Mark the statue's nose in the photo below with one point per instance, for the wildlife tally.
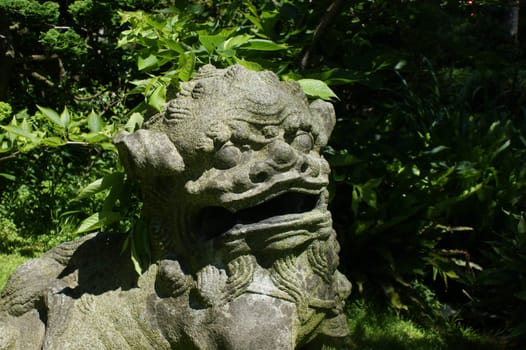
(282, 154)
(280, 157)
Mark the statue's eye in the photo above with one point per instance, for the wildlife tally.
(303, 141)
(227, 157)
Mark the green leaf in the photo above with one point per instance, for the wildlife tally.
(262, 45)
(186, 66)
(158, 97)
(95, 122)
(65, 118)
(136, 261)
(255, 21)
(93, 137)
(52, 115)
(368, 192)
(97, 221)
(5, 146)
(394, 297)
(20, 132)
(94, 187)
(248, 64)
(173, 45)
(147, 62)
(401, 64)
(140, 246)
(115, 193)
(8, 176)
(236, 41)
(317, 89)
(437, 149)
(26, 126)
(211, 42)
(134, 123)
(100, 185)
(502, 147)
(108, 146)
(356, 198)
(53, 141)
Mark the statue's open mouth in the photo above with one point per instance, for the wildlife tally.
(291, 214)
(217, 221)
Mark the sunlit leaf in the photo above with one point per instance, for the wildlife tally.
(173, 45)
(97, 221)
(262, 45)
(317, 89)
(135, 122)
(356, 197)
(52, 115)
(255, 21)
(53, 141)
(186, 66)
(158, 97)
(20, 132)
(93, 137)
(236, 41)
(24, 125)
(65, 118)
(211, 42)
(248, 64)
(437, 149)
(147, 62)
(140, 246)
(401, 64)
(100, 185)
(95, 122)
(502, 147)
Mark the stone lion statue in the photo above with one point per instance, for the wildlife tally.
(235, 203)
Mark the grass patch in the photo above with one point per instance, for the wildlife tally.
(373, 328)
(8, 263)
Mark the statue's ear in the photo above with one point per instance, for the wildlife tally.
(147, 153)
(324, 113)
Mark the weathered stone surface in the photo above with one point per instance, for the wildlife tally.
(235, 202)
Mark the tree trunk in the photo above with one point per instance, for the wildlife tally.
(513, 19)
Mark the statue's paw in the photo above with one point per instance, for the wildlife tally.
(171, 280)
(211, 283)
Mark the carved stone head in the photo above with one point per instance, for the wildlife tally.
(233, 164)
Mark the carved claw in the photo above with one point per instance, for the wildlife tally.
(211, 283)
(171, 280)
(241, 273)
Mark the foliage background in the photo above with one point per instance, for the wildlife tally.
(428, 179)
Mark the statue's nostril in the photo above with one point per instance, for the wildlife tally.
(304, 167)
(260, 172)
